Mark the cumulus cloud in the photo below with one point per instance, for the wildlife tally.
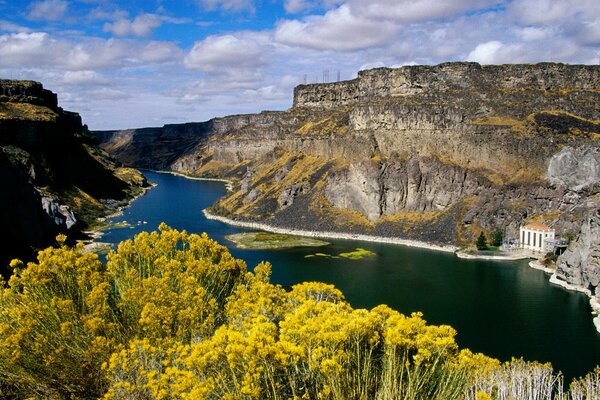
(142, 25)
(159, 52)
(417, 10)
(294, 6)
(7, 26)
(49, 10)
(85, 77)
(495, 52)
(26, 50)
(338, 29)
(546, 12)
(229, 5)
(223, 54)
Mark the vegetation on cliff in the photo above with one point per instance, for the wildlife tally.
(429, 153)
(173, 315)
(60, 181)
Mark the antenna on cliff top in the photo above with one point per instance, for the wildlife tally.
(304, 78)
(325, 76)
(338, 75)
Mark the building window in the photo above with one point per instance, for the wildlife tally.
(534, 235)
(523, 237)
(528, 238)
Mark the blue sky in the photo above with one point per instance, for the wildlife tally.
(124, 64)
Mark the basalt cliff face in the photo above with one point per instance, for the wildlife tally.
(53, 176)
(432, 153)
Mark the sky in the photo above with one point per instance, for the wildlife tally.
(134, 63)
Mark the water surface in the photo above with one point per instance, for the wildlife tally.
(502, 309)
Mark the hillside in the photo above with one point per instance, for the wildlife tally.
(431, 153)
(53, 176)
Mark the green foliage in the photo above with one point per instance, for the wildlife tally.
(497, 238)
(175, 316)
(481, 242)
(570, 236)
(549, 259)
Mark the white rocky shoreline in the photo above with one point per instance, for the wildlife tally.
(594, 301)
(330, 235)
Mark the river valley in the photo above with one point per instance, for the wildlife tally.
(503, 309)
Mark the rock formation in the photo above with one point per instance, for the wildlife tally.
(580, 264)
(433, 153)
(53, 176)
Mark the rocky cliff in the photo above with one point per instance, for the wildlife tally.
(54, 178)
(433, 153)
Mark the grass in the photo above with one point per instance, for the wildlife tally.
(25, 111)
(271, 241)
(358, 254)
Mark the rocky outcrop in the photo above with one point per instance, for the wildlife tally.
(575, 168)
(53, 177)
(431, 153)
(580, 263)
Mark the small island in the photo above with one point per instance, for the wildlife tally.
(271, 241)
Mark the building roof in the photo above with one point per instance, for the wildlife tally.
(536, 226)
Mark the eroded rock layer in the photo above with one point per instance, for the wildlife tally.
(434, 153)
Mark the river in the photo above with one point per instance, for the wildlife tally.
(502, 309)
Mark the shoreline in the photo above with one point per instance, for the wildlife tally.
(95, 234)
(513, 257)
(329, 235)
(594, 301)
(228, 182)
(535, 264)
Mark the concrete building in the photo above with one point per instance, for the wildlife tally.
(535, 236)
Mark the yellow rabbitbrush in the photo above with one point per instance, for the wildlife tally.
(174, 316)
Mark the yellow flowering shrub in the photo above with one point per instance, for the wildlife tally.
(173, 315)
(56, 324)
(171, 284)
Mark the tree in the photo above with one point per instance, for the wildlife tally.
(497, 238)
(481, 242)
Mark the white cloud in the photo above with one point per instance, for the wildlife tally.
(105, 93)
(229, 5)
(417, 10)
(159, 52)
(29, 50)
(50, 10)
(546, 12)
(496, 52)
(531, 33)
(7, 26)
(338, 29)
(102, 14)
(297, 6)
(590, 33)
(85, 77)
(142, 25)
(222, 54)
(294, 6)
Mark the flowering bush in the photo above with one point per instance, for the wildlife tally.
(173, 315)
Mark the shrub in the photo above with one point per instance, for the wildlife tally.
(175, 316)
(481, 242)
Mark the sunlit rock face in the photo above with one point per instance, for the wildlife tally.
(436, 153)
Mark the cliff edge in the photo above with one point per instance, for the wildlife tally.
(53, 176)
(430, 153)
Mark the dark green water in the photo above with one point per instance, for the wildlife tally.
(502, 309)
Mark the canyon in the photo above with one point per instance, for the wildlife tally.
(429, 153)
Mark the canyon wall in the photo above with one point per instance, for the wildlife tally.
(54, 179)
(434, 153)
